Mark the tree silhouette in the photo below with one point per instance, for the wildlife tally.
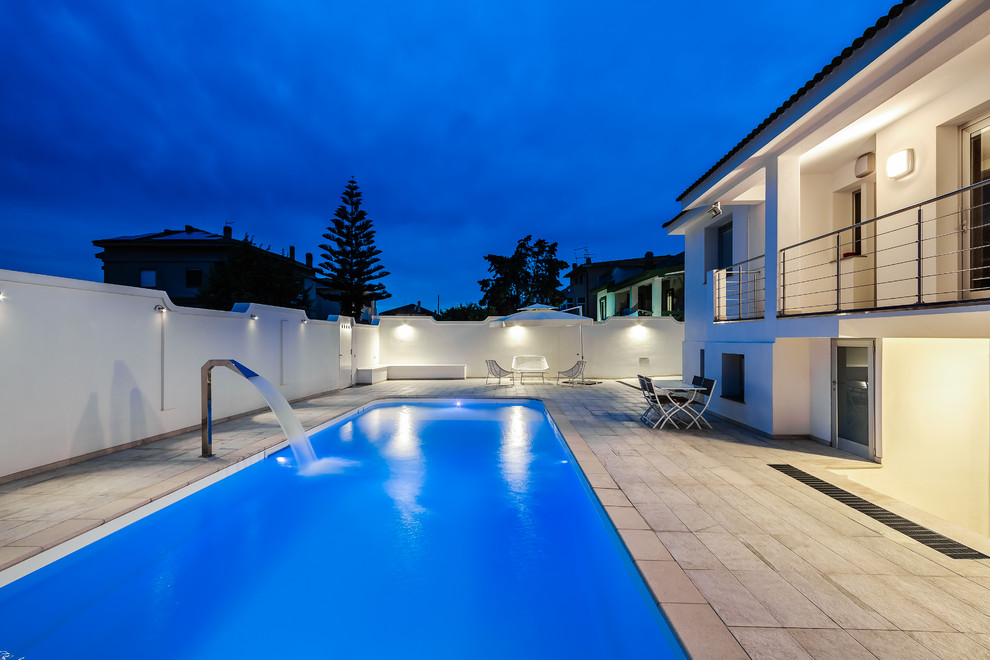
(531, 275)
(351, 256)
(252, 274)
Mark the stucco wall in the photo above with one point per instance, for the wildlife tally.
(88, 366)
(614, 348)
(936, 430)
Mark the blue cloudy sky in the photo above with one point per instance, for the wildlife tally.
(466, 124)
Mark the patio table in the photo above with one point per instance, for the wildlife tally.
(666, 389)
(530, 364)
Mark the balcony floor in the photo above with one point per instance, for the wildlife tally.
(743, 560)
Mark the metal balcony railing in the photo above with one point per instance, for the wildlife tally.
(936, 252)
(740, 291)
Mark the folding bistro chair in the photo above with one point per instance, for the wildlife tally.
(656, 407)
(696, 407)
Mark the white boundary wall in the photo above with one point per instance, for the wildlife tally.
(86, 367)
(619, 347)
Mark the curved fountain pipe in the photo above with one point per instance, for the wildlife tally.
(283, 411)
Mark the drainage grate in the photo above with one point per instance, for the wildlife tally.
(933, 540)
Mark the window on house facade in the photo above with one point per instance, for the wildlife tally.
(856, 245)
(149, 278)
(723, 257)
(601, 309)
(733, 381)
(976, 167)
(645, 298)
(194, 277)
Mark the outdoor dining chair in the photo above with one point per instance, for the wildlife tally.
(657, 407)
(575, 372)
(495, 371)
(696, 406)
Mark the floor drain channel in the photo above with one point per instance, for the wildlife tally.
(933, 540)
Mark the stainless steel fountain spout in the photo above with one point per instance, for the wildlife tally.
(206, 380)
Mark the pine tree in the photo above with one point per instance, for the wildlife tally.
(351, 256)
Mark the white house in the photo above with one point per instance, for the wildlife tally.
(838, 261)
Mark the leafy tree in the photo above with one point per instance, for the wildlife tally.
(530, 275)
(252, 274)
(351, 256)
(469, 312)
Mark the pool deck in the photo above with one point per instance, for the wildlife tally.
(744, 561)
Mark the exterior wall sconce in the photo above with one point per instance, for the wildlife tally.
(900, 164)
(715, 210)
(254, 317)
(865, 165)
(1, 296)
(160, 309)
(304, 321)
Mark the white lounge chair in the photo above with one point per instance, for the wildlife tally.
(575, 372)
(495, 371)
(531, 365)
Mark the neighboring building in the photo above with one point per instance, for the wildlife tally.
(838, 261)
(654, 292)
(587, 279)
(178, 261)
(412, 309)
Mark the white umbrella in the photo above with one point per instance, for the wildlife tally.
(538, 315)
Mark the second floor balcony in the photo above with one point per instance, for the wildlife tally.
(934, 253)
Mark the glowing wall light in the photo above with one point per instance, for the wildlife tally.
(405, 332)
(638, 332)
(254, 317)
(900, 164)
(160, 309)
(517, 332)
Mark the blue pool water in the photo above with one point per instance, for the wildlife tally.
(462, 531)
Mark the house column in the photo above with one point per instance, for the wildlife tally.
(783, 208)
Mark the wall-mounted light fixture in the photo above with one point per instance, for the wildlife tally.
(1, 296)
(254, 317)
(865, 165)
(900, 164)
(160, 308)
(715, 210)
(304, 321)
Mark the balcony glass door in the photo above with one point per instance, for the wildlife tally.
(852, 397)
(976, 166)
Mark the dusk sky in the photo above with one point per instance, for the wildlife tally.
(467, 125)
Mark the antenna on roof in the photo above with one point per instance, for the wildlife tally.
(582, 252)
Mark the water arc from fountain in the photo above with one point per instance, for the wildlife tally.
(302, 449)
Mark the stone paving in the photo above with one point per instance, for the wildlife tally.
(743, 560)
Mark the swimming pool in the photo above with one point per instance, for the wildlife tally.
(461, 530)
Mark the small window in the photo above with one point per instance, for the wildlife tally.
(601, 309)
(701, 363)
(857, 232)
(194, 277)
(645, 298)
(149, 278)
(724, 258)
(733, 382)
